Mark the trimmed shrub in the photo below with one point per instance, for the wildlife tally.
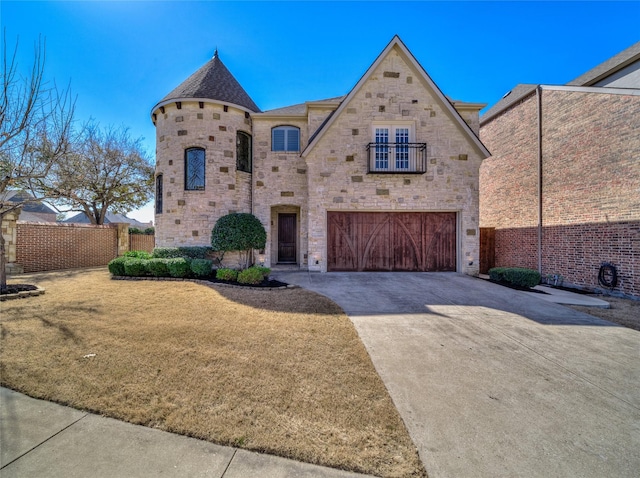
(240, 232)
(226, 274)
(201, 267)
(116, 266)
(179, 267)
(193, 252)
(150, 231)
(515, 275)
(135, 267)
(264, 270)
(137, 254)
(135, 230)
(158, 267)
(252, 275)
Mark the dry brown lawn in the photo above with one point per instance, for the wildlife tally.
(281, 371)
(622, 311)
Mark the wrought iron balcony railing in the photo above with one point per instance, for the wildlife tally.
(397, 158)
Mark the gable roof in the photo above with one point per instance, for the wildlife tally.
(30, 204)
(212, 81)
(518, 93)
(608, 67)
(110, 218)
(396, 42)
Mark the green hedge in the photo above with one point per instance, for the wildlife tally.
(137, 254)
(252, 275)
(116, 266)
(201, 267)
(515, 275)
(226, 274)
(135, 267)
(158, 267)
(179, 267)
(193, 252)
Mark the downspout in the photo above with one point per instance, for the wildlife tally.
(539, 101)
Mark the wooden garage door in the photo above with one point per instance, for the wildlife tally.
(398, 241)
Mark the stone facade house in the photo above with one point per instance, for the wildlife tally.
(562, 187)
(384, 178)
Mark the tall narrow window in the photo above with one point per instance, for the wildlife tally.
(194, 163)
(159, 194)
(402, 148)
(285, 138)
(243, 152)
(382, 148)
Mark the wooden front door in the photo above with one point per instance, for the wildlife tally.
(398, 241)
(287, 238)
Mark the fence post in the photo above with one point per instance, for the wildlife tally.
(123, 237)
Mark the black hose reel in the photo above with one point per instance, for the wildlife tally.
(608, 275)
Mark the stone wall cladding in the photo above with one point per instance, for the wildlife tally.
(591, 179)
(51, 246)
(279, 184)
(189, 216)
(448, 185)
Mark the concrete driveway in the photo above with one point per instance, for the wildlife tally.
(493, 382)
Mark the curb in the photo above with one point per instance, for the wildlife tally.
(23, 294)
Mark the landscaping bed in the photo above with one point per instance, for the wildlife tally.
(281, 371)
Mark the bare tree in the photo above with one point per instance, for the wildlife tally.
(35, 131)
(108, 171)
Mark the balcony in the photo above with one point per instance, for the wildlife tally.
(397, 158)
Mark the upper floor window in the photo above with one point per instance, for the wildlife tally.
(243, 152)
(194, 164)
(393, 149)
(285, 138)
(159, 194)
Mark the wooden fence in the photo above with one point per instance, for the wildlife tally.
(142, 242)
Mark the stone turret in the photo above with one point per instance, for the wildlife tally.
(203, 155)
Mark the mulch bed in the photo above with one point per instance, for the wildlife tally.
(15, 288)
(518, 287)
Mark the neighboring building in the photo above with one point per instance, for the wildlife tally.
(384, 178)
(110, 218)
(562, 188)
(35, 211)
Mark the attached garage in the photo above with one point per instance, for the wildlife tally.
(391, 241)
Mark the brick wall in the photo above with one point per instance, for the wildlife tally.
(590, 184)
(49, 246)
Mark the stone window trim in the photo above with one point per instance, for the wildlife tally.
(194, 168)
(285, 138)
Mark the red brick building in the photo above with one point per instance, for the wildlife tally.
(562, 187)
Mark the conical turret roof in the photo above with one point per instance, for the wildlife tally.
(215, 82)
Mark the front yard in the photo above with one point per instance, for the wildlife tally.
(276, 371)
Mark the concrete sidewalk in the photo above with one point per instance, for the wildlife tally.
(43, 439)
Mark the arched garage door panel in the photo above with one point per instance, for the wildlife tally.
(391, 241)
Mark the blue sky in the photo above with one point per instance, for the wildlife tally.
(122, 57)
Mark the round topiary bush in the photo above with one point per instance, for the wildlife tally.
(201, 267)
(240, 232)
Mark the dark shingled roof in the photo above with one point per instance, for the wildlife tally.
(608, 67)
(213, 81)
(513, 96)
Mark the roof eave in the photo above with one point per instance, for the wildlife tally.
(168, 101)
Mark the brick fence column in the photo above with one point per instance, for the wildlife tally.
(123, 237)
(10, 234)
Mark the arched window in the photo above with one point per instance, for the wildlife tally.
(194, 163)
(159, 194)
(285, 138)
(243, 152)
